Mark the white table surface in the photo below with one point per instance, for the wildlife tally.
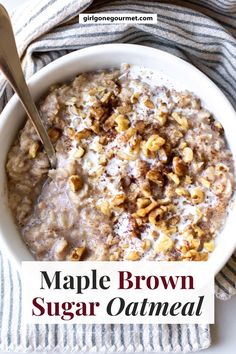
(224, 330)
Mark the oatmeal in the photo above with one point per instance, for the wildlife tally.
(143, 172)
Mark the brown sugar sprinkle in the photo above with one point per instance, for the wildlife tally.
(144, 173)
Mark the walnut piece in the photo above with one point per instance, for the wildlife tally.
(143, 202)
(173, 177)
(197, 196)
(187, 154)
(54, 134)
(75, 182)
(122, 123)
(33, 150)
(155, 216)
(155, 142)
(181, 120)
(209, 246)
(149, 104)
(144, 211)
(155, 176)
(133, 256)
(79, 152)
(179, 167)
(166, 244)
(118, 199)
(104, 207)
(76, 254)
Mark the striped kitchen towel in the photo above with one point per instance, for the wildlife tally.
(202, 32)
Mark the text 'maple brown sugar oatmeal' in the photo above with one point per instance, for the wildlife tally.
(144, 172)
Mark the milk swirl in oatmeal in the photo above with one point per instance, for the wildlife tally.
(144, 172)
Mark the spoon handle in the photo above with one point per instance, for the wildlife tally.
(11, 67)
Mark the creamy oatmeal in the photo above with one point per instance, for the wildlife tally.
(144, 172)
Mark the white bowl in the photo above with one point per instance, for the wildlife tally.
(101, 57)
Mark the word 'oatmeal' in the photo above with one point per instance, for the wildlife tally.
(144, 172)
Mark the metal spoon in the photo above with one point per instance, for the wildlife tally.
(11, 67)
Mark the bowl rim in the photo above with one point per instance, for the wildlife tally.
(103, 49)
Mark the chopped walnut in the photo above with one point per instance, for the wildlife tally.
(179, 167)
(156, 215)
(173, 177)
(140, 126)
(95, 127)
(145, 188)
(209, 246)
(124, 156)
(118, 199)
(146, 152)
(105, 98)
(75, 182)
(181, 120)
(33, 150)
(128, 134)
(218, 127)
(97, 111)
(104, 207)
(79, 152)
(133, 256)
(205, 182)
(146, 244)
(76, 254)
(103, 160)
(182, 192)
(198, 231)
(135, 97)
(122, 123)
(149, 104)
(187, 154)
(54, 134)
(144, 211)
(109, 122)
(166, 244)
(115, 255)
(143, 202)
(197, 196)
(161, 115)
(155, 176)
(188, 180)
(83, 134)
(70, 132)
(155, 142)
(162, 155)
